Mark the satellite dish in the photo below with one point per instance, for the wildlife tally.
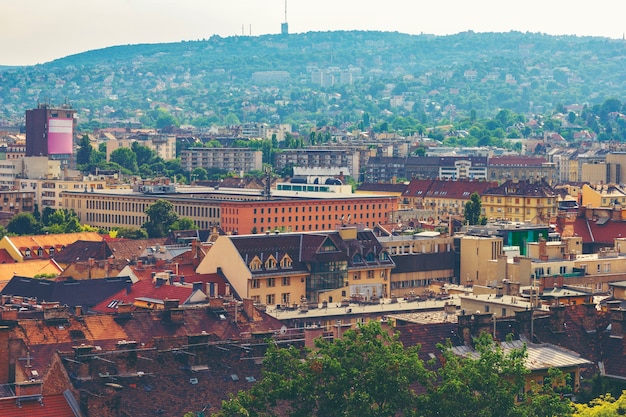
(283, 329)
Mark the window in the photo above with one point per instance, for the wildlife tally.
(607, 267)
(286, 262)
(256, 299)
(270, 263)
(255, 264)
(370, 274)
(256, 283)
(286, 281)
(271, 282)
(562, 270)
(284, 298)
(270, 299)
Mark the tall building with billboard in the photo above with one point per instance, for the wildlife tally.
(50, 132)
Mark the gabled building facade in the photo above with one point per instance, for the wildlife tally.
(520, 201)
(295, 269)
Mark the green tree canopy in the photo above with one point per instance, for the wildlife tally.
(365, 373)
(184, 223)
(126, 158)
(83, 154)
(161, 217)
(473, 209)
(24, 224)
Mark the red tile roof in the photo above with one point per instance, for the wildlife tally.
(591, 231)
(144, 289)
(5, 258)
(51, 406)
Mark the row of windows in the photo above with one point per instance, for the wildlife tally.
(270, 263)
(317, 208)
(127, 206)
(271, 282)
(541, 271)
(520, 200)
(317, 218)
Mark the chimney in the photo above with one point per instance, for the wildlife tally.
(107, 266)
(31, 389)
(589, 317)
(617, 213)
(557, 318)
(618, 323)
(482, 323)
(339, 329)
(170, 304)
(81, 351)
(465, 328)
(523, 318)
(543, 249)
(216, 303)
(310, 334)
(159, 282)
(78, 311)
(129, 286)
(248, 308)
(4, 355)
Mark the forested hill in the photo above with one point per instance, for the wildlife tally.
(369, 71)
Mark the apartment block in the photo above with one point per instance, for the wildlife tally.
(237, 160)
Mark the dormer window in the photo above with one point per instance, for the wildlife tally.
(286, 262)
(51, 251)
(255, 264)
(370, 257)
(357, 258)
(40, 252)
(271, 263)
(27, 253)
(384, 256)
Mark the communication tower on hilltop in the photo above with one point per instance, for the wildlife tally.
(284, 27)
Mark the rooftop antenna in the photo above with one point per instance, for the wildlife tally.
(284, 27)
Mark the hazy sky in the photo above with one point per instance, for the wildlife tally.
(38, 31)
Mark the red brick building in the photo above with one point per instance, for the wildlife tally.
(304, 215)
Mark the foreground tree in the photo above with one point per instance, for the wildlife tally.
(604, 406)
(488, 385)
(365, 373)
(368, 373)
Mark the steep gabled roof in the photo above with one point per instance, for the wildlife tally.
(132, 249)
(85, 293)
(82, 250)
(263, 246)
(522, 189)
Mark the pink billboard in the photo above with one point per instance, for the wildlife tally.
(60, 134)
